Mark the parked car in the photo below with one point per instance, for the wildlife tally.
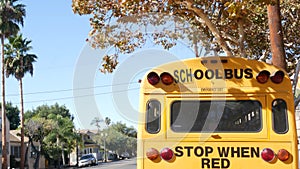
(112, 156)
(87, 160)
(124, 155)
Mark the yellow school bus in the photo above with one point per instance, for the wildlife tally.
(216, 112)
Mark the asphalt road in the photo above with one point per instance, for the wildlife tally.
(123, 164)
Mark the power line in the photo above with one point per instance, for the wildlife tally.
(81, 96)
(66, 90)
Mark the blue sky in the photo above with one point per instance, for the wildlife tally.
(58, 37)
(67, 69)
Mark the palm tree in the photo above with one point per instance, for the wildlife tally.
(96, 121)
(107, 121)
(17, 63)
(11, 15)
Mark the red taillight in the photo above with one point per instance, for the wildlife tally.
(152, 154)
(283, 155)
(267, 154)
(153, 78)
(166, 78)
(263, 76)
(166, 154)
(277, 77)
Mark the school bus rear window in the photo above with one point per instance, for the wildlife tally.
(153, 116)
(279, 114)
(216, 116)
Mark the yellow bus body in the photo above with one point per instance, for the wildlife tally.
(224, 79)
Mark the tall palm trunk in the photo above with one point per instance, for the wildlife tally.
(4, 145)
(22, 112)
(22, 125)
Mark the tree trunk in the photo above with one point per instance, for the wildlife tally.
(196, 50)
(63, 155)
(37, 160)
(276, 37)
(26, 155)
(295, 82)
(22, 162)
(38, 153)
(57, 144)
(4, 144)
(242, 38)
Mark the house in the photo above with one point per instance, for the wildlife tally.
(89, 146)
(15, 151)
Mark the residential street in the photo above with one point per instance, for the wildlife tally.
(124, 164)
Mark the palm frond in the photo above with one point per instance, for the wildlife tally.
(18, 61)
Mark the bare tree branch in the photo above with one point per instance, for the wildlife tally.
(210, 25)
(297, 100)
(241, 38)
